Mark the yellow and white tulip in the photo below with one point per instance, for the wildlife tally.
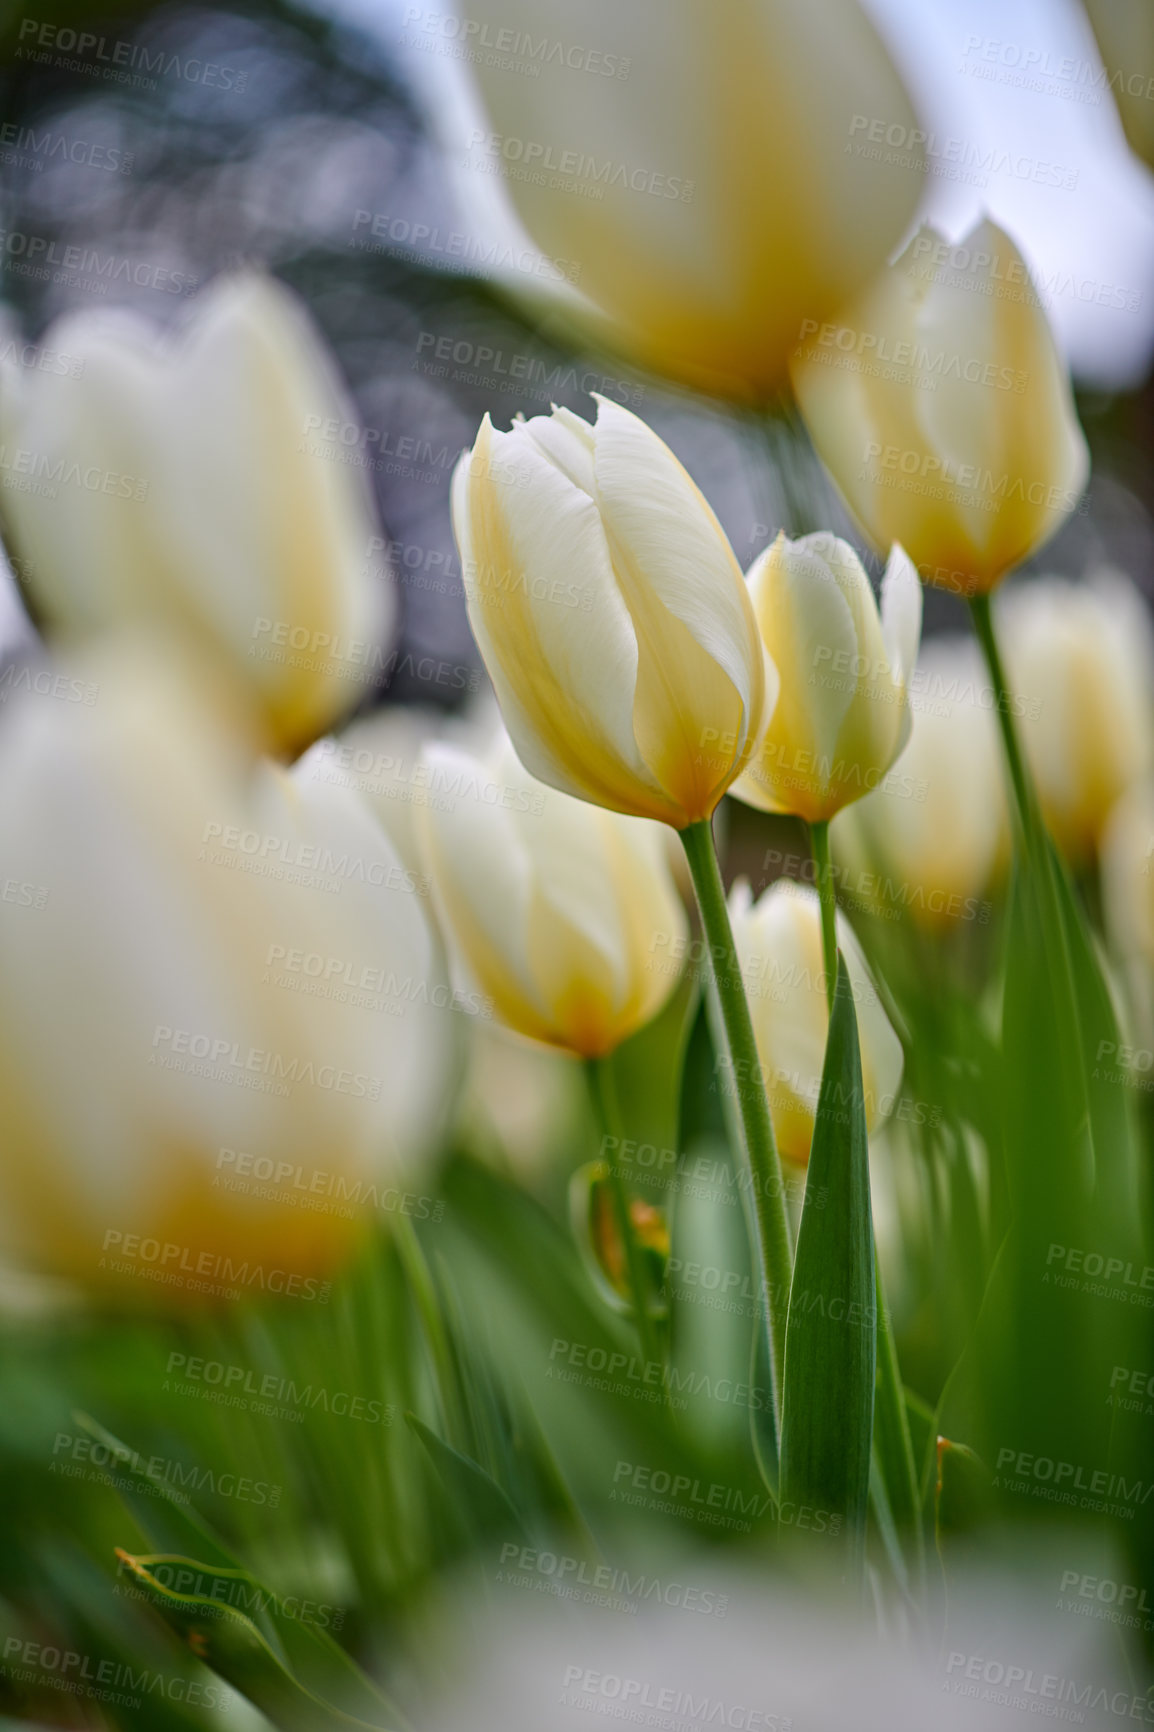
(611, 614)
(218, 1010)
(779, 949)
(1080, 662)
(712, 184)
(842, 713)
(940, 405)
(565, 915)
(187, 483)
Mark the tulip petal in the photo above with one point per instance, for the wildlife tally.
(676, 570)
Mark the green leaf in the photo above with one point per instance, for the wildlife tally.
(831, 1333)
(484, 1507)
(304, 1649)
(229, 1642)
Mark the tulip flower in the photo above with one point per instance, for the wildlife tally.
(218, 1044)
(943, 410)
(1080, 659)
(930, 839)
(201, 484)
(566, 916)
(842, 713)
(778, 942)
(711, 183)
(610, 612)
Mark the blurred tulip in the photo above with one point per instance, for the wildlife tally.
(943, 410)
(1080, 660)
(610, 612)
(565, 915)
(778, 942)
(184, 493)
(930, 838)
(715, 184)
(841, 716)
(1128, 876)
(215, 1016)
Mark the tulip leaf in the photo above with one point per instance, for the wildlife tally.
(831, 1331)
(302, 1647)
(228, 1641)
(485, 1508)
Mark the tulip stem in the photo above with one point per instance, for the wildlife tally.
(603, 1090)
(819, 841)
(745, 1068)
(1026, 808)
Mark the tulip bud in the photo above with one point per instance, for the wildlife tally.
(930, 839)
(565, 915)
(203, 485)
(1080, 662)
(610, 612)
(943, 410)
(841, 716)
(778, 942)
(712, 184)
(217, 1046)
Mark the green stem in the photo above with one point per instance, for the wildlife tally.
(603, 1091)
(819, 840)
(891, 1421)
(1024, 802)
(757, 1127)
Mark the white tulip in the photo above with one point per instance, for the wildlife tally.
(610, 612)
(930, 840)
(564, 914)
(1080, 662)
(187, 482)
(215, 1019)
(709, 183)
(779, 949)
(842, 713)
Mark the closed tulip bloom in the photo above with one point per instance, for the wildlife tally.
(212, 1001)
(565, 916)
(778, 941)
(712, 184)
(943, 410)
(610, 612)
(842, 713)
(930, 841)
(198, 493)
(1080, 661)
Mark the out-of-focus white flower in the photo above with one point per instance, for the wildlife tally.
(219, 1032)
(705, 184)
(197, 483)
(565, 915)
(1080, 662)
(778, 942)
(930, 839)
(972, 475)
